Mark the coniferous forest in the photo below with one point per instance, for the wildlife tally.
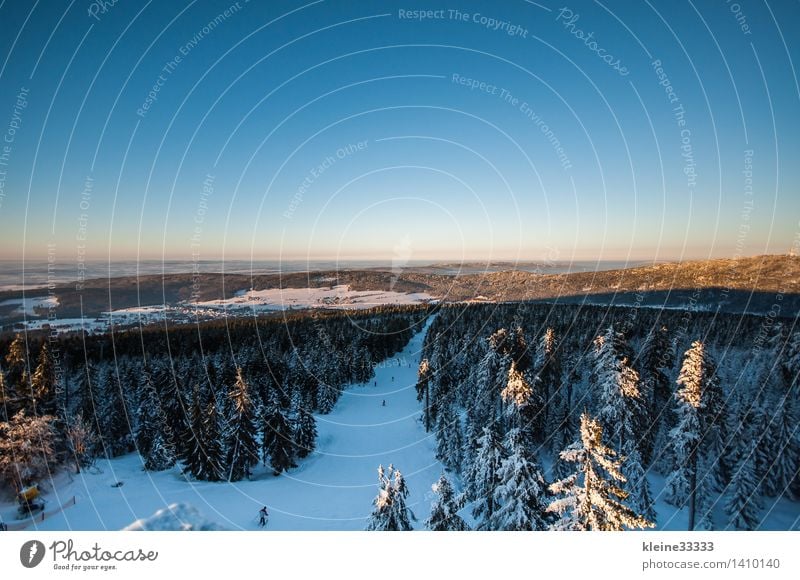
(544, 417)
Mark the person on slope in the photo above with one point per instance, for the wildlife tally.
(263, 514)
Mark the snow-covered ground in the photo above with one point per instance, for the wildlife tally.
(27, 306)
(332, 489)
(328, 297)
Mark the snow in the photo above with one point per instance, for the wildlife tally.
(177, 517)
(340, 296)
(28, 306)
(332, 489)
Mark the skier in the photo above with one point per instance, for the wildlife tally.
(263, 514)
(383, 404)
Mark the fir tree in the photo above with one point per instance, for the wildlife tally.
(590, 501)
(240, 431)
(390, 512)
(697, 438)
(619, 403)
(639, 499)
(153, 437)
(521, 497)
(305, 431)
(43, 383)
(27, 455)
(203, 459)
(450, 442)
(278, 438)
(485, 476)
(113, 417)
(444, 511)
(743, 505)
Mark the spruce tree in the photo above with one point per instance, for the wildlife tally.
(43, 383)
(591, 498)
(521, 497)
(390, 512)
(153, 437)
(112, 420)
(305, 431)
(616, 382)
(485, 476)
(277, 438)
(450, 441)
(697, 440)
(203, 459)
(241, 446)
(444, 511)
(744, 504)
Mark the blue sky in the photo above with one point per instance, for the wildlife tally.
(341, 130)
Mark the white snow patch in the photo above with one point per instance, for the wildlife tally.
(178, 517)
(27, 306)
(335, 297)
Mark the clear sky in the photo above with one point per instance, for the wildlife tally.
(343, 129)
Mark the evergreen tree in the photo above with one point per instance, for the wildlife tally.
(327, 398)
(547, 366)
(203, 458)
(27, 455)
(278, 438)
(521, 497)
(485, 476)
(590, 501)
(619, 403)
(444, 511)
(390, 512)
(450, 442)
(113, 419)
(305, 431)
(43, 383)
(657, 356)
(697, 438)
(153, 437)
(639, 499)
(17, 376)
(240, 431)
(743, 505)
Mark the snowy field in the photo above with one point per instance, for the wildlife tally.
(28, 306)
(330, 297)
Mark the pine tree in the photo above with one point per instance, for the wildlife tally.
(153, 437)
(327, 398)
(589, 501)
(390, 512)
(305, 431)
(450, 442)
(203, 459)
(27, 455)
(743, 505)
(80, 441)
(485, 476)
(547, 366)
(639, 499)
(43, 383)
(277, 439)
(444, 511)
(619, 403)
(113, 419)
(657, 356)
(521, 496)
(697, 440)
(240, 431)
(17, 377)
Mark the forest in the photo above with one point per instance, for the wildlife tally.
(601, 397)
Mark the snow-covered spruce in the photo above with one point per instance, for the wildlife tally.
(390, 513)
(590, 497)
(444, 511)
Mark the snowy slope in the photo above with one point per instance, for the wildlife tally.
(332, 489)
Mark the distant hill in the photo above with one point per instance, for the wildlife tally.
(757, 284)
